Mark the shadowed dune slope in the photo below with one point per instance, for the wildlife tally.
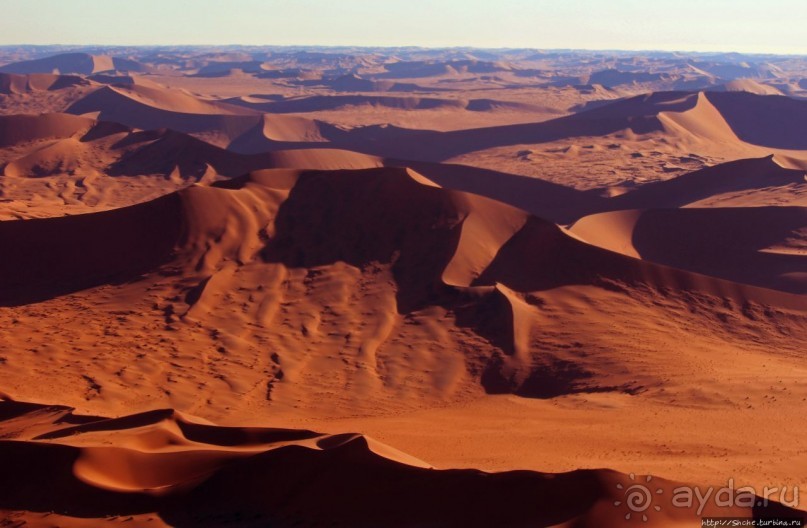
(318, 220)
(638, 114)
(388, 282)
(747, 181)
(162, 468)
(727, 118)
(149, 108)
(765, 246)
(21, 128)
(545, 199)
(747, 85)
(12, 83)
(773, 121)
(53, 256)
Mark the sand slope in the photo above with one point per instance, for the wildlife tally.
(22, 128)
(388, 282)
(57, 164)
(766, 246)
(705, 121)
(393, 242)
(236, 127)
(166, 469)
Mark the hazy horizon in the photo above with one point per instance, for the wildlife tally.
(92, 45)
(707, 26)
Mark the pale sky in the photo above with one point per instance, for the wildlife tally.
(763, 26)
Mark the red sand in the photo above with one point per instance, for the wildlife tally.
(519, 294)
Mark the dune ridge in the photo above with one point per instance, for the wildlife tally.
(83, 63)
(17, 84)
(163, 462)
(279, 236)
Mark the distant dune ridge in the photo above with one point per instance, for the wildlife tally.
(80, 63)
(688, 118)
(715, 117)
(524, 265)
(122, 150)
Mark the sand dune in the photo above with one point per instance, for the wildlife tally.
(681, 78)
(222, 68)
(746, 234)
(612, 77)
(81, 63)
(686, 119)
(555, 202)
(323, 102)
(749, 182)
(736, 70)
(484, 262)
(768, 121)
(638, 115)
(62, 164)
(60, 157)
(355, 83)
(116, 150)
(119, 243)
(272, 132)
(124, 79)
(11, 83)
(449, 208)
(163, 150)
(334, 102)
(750, 86)
(233, 126)
(420, 69)
(45, 141)
(149, 108)
(765, 246)
(711, 121)
(21, 128)
(154, 97)
(168, 469)
(41, 93)
(398, 242)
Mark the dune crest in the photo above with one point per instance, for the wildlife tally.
(253, 476)
(339, 263)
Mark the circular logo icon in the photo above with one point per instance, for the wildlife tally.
(638, 497)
